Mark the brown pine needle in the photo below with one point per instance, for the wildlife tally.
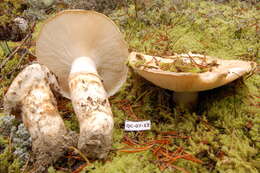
(156, 149)
(136, 149)
(81, 154)
(178, 151)
(80, 168)
(164, 157)
(179, 168)
(169, 133)
(129, 141)
(75, 157)
(192, 158)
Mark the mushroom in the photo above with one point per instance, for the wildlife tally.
(30, 97)
(208, 73)
(87, 53)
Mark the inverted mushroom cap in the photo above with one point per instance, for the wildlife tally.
(78, 33)
(224, 72)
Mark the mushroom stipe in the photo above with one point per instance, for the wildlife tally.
(87, 53)
(92, 108)
(31, 94)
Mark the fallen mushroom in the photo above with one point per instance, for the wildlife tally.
(30, 97)
(87, 53)
(204, 73)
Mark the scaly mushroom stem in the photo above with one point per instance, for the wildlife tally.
(92, 108)
(186, 99)
(30, 94)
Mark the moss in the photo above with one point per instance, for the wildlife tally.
(122, 163)
(220, 122)
(225, 127)
(11, 9)
(178, 64)
(15, 167)
(72, 123)
(8, 163)
(70, 119)
(3, 142)
(52, 170)
(139, 63)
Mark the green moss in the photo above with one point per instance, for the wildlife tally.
(139, 63)
(8, 163)
(72, 123)
(3, 142)
(53, 170)
(220, 123)
(177, 65)
(11, 9)
(125, 163)
(225, 127)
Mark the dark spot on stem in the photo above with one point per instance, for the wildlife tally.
(89, 99)
(104, 102)
(19, 83)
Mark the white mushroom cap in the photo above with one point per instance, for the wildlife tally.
(78, 33)
(226, 71)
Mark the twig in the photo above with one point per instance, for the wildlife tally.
(80, 168)
(18, 64)
(254, 70)
(194, 62)
(179, 168)
(136, 149)
(128, 108)
(141, 95)
(15, 51)
(80, 153)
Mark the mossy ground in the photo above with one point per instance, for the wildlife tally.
(224, 129)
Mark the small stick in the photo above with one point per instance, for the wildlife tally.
(18, 64)
(81, 154)
(80, 168)
(156, 61)
(179, 168)
(18, 48)
(194, 62)
(15, 51)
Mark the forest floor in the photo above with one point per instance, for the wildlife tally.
(221, 135)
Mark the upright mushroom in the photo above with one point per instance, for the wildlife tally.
(87, 53)
(30, 97)
(195, 73)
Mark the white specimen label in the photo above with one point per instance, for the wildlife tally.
(137, 125)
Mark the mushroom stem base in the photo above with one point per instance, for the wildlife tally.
(186, 99)
(46, 127)
(30, 95)
(93, 111)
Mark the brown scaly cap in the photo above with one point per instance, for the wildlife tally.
(75, 33)
(224, 72)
